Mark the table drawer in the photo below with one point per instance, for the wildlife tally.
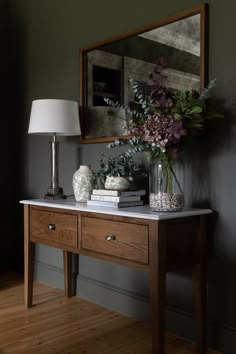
(54, 228)
(124, 240)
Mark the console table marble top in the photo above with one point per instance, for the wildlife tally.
(143, 212)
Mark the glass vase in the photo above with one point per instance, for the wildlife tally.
(166, 186)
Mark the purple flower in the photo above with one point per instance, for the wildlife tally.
(160, 131)
(176, 131)
(162, 97)
(155, 130)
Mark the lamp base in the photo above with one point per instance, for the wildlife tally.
(55, 193)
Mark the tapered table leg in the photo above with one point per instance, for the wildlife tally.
(158, 285)
(68, 275)
(200, 287)
(29, 251)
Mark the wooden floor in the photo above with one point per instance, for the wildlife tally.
(69, 326)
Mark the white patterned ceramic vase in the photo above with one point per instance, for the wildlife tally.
(83, 180)
(117, 183)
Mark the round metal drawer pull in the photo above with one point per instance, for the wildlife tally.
(110, 238)
(51, 227)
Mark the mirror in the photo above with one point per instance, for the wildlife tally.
(105, 68)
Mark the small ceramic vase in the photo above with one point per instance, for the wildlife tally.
(117, 183)
(83, 181)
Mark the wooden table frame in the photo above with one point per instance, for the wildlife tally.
(173, 244)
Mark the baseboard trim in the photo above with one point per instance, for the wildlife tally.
(132, 304)
(137, 306)
(113, 288)
(115, 298)
(49, 274)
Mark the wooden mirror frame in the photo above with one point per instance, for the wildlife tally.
(201, 9)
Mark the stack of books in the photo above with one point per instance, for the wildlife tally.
(116, 199)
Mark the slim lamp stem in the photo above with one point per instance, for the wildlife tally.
(54, 164)
(54, 191)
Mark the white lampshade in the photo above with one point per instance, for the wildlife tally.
(54, 117)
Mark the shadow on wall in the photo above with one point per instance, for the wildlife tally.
(214, 183)
(8, 150)
(206, 158)
(221, 303)
(18, 96)
(199, 151)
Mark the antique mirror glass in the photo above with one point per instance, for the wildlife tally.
(105, 68)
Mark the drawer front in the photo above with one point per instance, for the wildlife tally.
(124, 240)
(48, 227)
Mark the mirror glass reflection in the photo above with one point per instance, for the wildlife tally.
(107, 69)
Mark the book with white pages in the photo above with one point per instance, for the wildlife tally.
(97, 203)
(128, 193)
(111, 198)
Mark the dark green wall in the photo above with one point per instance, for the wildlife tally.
(47, 37)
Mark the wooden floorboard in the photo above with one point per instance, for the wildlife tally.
(57, 325)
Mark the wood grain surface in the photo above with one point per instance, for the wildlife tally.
(58, 325)
(130, 240)
(64, 227)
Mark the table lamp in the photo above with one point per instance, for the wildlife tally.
(54, 117)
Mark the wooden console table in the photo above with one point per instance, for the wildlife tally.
(135, 237)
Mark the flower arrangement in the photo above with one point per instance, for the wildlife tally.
(160, 122)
